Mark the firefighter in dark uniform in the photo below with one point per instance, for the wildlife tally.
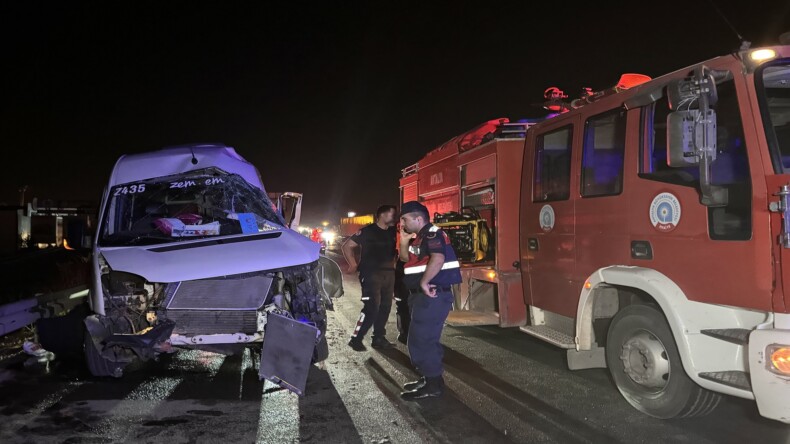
(430, 270)
(376, 276)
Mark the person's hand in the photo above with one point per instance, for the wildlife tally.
(428, 289)
(352, 268)
(405, 237)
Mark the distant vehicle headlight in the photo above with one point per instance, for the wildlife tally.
(328, 236)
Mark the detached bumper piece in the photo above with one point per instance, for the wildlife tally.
(141, 344)
(287, 352)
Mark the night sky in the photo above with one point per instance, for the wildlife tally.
(331, 99)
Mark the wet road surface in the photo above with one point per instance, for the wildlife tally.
(504, 386)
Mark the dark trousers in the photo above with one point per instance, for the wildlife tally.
(425, 332)
(402, 307)
(377, 291)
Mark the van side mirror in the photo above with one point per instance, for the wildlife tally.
(691, 130)
(290, 206)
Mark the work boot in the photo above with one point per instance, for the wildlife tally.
(433, 388)
(381, 342)
(403, 339)
(414, 385)
(357, 345)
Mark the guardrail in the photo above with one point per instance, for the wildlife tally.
(19, 314)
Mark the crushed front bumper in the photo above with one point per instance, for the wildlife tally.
(771, 390)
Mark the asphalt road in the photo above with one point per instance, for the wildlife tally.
(504, 386)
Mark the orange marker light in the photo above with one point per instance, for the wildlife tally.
(587, 285)
(780, 359)
(491, 274)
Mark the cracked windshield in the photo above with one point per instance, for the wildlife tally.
(204, 203)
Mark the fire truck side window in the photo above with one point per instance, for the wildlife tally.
(653, 156)
(553, 166)
(730, 170)
(602, 158)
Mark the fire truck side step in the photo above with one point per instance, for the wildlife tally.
(738, 336)
(549, 335)
(732, 378)
(469, 318)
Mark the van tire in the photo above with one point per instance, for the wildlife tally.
(97, 364)
(646, 367)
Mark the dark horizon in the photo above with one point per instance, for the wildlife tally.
(330, 101)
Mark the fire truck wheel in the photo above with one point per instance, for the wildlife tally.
(644, 362)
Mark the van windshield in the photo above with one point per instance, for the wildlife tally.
(199, 204)
(775, 91)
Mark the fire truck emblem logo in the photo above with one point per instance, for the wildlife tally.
(665, 212)
(547, 218)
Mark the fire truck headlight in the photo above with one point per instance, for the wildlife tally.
(761, 55)
(779, 356)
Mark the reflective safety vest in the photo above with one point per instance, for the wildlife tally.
(431, 239)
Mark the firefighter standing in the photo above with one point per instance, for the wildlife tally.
(430, 270)
(376, 276)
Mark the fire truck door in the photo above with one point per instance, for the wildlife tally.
(548, 216)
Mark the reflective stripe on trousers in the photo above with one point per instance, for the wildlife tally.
(421, 268)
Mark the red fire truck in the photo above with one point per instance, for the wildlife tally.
(655, 234)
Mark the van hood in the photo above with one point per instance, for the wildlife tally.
(213, 257)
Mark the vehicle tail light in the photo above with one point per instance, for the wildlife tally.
(779, 356)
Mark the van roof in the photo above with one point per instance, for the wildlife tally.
(178, 159)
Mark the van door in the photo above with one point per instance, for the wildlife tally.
(548, 217)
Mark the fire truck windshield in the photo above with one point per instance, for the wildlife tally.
(774, 86)
(202, 203)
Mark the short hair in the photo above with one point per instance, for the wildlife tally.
(384, 209)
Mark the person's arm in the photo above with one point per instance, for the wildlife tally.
(349, 252)
(433, 268)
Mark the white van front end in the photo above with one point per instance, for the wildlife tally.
(197, 258)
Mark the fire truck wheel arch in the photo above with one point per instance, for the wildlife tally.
(600, 298)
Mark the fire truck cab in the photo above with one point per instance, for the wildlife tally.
(655, 235)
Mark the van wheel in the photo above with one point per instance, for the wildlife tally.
(645, 364)
(97, 364)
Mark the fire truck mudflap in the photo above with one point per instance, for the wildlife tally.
(769, 365)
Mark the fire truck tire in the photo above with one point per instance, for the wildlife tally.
(645, 365)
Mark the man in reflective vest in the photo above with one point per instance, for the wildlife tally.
(430, 270)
